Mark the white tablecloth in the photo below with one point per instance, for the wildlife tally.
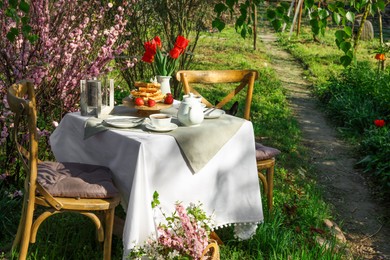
(146, 162)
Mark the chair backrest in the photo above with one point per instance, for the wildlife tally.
(246, 78)
(21, 99)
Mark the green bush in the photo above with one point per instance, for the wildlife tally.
(354, 99)
(357, 97)
(376, 146)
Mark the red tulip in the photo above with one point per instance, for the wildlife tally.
(181, 42)
(156, 40)
(148, 57)
(150, 47)
(175, 52)
(379, 122)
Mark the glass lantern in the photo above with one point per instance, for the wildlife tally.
(96, 99)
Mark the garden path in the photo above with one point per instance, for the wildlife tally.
(360, 215)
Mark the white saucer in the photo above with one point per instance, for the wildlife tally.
(123, 121)
(171, 127)
(214, 114)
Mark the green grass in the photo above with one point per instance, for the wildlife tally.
(289, 233)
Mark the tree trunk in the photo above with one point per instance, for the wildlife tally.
(359, 32)
(254, 27)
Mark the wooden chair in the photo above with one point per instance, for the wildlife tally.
(57, 187)
(265, 155)
(246, 78)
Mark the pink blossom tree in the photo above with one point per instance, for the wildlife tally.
(75, 40)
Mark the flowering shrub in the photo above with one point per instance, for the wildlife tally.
(74, 40)
(164, 63)
(185, 234)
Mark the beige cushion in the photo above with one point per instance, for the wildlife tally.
(265, 152)
(76, 180)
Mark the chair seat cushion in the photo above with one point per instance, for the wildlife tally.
(76, 180)
(265, 152)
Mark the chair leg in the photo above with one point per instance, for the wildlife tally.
(270, 181)
(263, 180)
(26, 233)
(109, 222)
(22, 224)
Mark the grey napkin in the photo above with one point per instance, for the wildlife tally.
(201, 143)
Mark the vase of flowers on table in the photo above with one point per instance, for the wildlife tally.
(164, 63)
(183, 235)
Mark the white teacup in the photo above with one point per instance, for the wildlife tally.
(160, 120)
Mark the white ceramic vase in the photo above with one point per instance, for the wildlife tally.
(165, 84)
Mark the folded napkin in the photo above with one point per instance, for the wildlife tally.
(201, 143)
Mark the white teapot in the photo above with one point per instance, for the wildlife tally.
(190, 111)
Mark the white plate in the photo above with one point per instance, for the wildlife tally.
(214, 114)
(171, 127)
(123, 121)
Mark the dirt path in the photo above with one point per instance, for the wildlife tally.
(355, 209)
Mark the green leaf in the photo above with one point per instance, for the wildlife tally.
(332, 7)
(243, 33)
(345, 46)
(230, 3)
(155, 201)
(323, 14)
(11, 35)
(244, 12)
(219, 8)
(339, 4)
(280, 11)
(26, 29)
(271, 14)
(13, 3)
(350, 16)
(348, 31)
(340, 35)
(240, 21)
(314, 15)
(338, 42)
(32, 38)
(364, 2)
(309, 3)
(24, 6)
(285, 5)
(276, 24)
(358, 6)
(25, 20)
(286, 19)
(218, 23)
(315, 28)
(381, 4)
(336, 18)
(341, 11)
(345, 60)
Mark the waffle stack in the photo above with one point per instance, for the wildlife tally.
(147, 90)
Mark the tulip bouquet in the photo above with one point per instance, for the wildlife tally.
(165, 63)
